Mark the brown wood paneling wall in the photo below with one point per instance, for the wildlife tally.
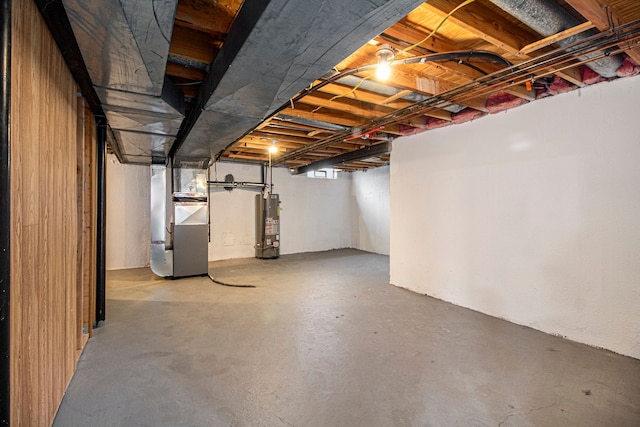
(88, 225)
(45, 221)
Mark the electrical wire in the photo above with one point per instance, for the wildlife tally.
(218, 282)
(435, 30)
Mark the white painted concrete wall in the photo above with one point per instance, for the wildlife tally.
(315, 213)
(370, 220)
(530, 215)
(128, 215)
(232, 213)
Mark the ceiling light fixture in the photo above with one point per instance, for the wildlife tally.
(385, 55)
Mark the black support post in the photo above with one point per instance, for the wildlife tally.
(5, 210)
(101, 223)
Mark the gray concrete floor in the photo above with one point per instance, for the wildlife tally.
(323, 340)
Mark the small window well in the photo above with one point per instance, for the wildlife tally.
(326, 173)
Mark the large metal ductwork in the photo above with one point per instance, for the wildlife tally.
(547, 18)
(125, 46)
(161, 220)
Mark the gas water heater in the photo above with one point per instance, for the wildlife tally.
(267, 226)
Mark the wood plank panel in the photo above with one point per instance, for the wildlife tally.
(79, 210)
(194, 74)
(88, 221)
(555, 38)
(44, 212)
(212, 16)
(364, 95)
(340, 119)
(194, 45)
(478, 18)
(404, 30)
(322, 101)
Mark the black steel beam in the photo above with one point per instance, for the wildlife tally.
(101, 223)
(352, 156)
(5, 210)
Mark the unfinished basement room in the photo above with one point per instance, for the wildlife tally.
(320, 213)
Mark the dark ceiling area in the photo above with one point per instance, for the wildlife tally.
(204, 80)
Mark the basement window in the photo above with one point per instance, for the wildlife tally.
(326, 173)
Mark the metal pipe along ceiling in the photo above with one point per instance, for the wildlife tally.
(547, 18)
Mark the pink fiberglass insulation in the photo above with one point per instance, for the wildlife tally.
(589, 77)
(467, 115)
(407, 130)
(560, 85)
(501, 101)
(628, 68)
(433, 123)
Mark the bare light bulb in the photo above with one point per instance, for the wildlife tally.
(383, 71)
(385, 55)
(273, 149)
